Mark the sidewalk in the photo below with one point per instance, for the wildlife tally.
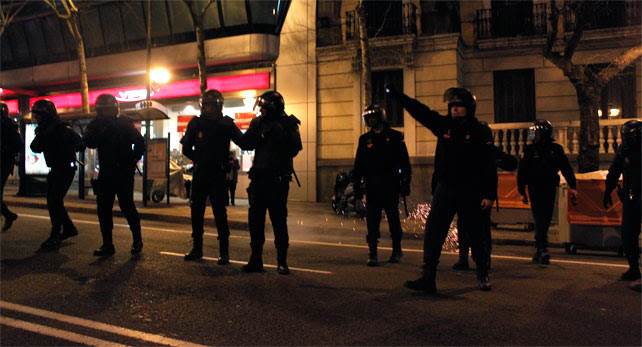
(302, 216)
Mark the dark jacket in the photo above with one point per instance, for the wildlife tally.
(462, 158)
(382, 158)
(276, 140)
(58, 142)
(540, 164)
(207, 142)
(120, 145)
(11, 143)
(626, 162)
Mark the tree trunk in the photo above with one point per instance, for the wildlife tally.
(365, 55)
(200, 40)
(82, 64)
(588, 155)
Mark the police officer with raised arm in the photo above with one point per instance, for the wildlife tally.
(59, 143)
(627, 162)
(11, 146)
(275, 138)
(207, 143)
(382, 160)
(466, 180)
(120, 146)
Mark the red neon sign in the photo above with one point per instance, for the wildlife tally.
(13, 106)
(173, 90)
(181, 124)
(244, 119)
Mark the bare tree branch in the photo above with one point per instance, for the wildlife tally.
(553, 19)
(618, 64)
(8, 15)
(52, 4)
(204, 9)
(580, 20)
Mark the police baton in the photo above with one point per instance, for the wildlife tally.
(296, 177)
(405, 206)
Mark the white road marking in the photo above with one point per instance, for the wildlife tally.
(264, 265)
(154, 338)
(320, 243)
(57, 333)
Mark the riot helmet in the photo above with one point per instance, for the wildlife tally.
(631, 132)
(272, 101)
(374, 116)
(487, 133)
(5, 110)
(541, 130)
(44, 111)
(106, 105)
(461, 97)
(211, 102)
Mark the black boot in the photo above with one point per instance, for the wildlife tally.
(427, 280)
(197, 250)
(537, 257)
(372, 256)
(482, 276)
(281, 258)
(53, 242)
(633, 273)
(397, 254)
(107, 249)
(256, 260)
(137, 244)
(224, 252)
(8, 221)
(462, 263)
(546, 257)
(68, 231)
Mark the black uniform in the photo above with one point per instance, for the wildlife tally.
(59, 143)
(382, 159)
(538, 170)
(627, 162)
(465, 172)
(276, 140)
(11, 146)
(207, 143)
(505, 162)
(120, 146)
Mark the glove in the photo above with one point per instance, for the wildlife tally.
(607, 201)
(391, 90)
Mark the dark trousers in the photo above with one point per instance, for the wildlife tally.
(7, 169)
(445, 203)
(209, 184)
(58, 183)
(112, 183)
(231, 186)
(464, 240)
(542, 205)
(387, 200)
(269, 195)
(631, 228)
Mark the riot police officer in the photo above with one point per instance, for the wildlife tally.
(382, 159)
(11, 146)
(207, 142)
(59, 143)
(120, 146)
(505, 162)
(627, 161)
(276, 140)
(538, 170)
(466, 179)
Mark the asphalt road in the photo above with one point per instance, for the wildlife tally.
(69, 297)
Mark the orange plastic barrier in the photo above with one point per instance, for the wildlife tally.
(507, 192)
(589, 209)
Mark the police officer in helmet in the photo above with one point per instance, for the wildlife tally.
(120, 146)
(11, 146)
(207, 142)
(538, 170)
(276, 140)
(627, 162)
(382, 160)
(466, 180)
(59, 143)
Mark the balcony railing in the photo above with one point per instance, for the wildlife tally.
(523, 19)
(513, 137)
(614, 14)
(384, 23)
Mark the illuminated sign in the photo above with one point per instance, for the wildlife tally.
(181, 123)
(34, 162)
(243, 119)
(13, 106)
(173, 90)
